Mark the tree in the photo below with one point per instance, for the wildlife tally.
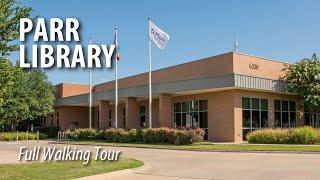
(41, 94)
(25, 94)
(301, 79)
(14, 107)
(10, 13)
(6, 78)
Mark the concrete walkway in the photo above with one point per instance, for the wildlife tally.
(174, 164)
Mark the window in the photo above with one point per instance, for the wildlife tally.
(254, 114)
(142, 116)
(124, 117)
(191, 114)
(98, 118)
(310, 119)
(110, 123)
(284, 113)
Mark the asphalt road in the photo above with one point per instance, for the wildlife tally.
(172, 164)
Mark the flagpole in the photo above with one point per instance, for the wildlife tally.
(90, 94)
(116, 79)
(150, 81)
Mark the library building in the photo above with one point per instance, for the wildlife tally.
(227, 95)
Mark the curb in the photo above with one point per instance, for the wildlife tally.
(194, 150)
(111, 175)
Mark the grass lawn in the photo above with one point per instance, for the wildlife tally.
(64, 169)
(207, 146)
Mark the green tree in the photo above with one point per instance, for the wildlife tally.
(25, 95)
(14, 107)
(301, 79)
(41, 94)
(6, 78)
(10, 13)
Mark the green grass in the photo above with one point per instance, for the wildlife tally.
(207, 146)
(64, 170)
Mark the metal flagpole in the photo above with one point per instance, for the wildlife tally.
(150, 88)
(90, 94)
(116, 78)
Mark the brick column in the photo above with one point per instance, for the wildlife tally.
(103, 114)
(271, 113)
(165, 111)
(132, 113)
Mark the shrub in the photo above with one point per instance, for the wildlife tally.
(9, 136)
(99, 134)
(132, 136)
(302, 135)
(196, 135)
(189, 136)
(86, 133)
(305, 135)
(269, 136)
(150, 136)
(159, 135)
(42, 136)
(139, 135)
(51, 132)
(71, 134)
(115, 135)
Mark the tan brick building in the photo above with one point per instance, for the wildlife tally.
(227, 95)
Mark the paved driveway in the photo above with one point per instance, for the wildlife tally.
(172, 164)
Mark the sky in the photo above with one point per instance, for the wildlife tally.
(286, 30)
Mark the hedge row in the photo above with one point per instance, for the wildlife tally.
(149, 136)
(302, 135)
(10, 136)
(51, 132)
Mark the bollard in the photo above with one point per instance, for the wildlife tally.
(17, 136)
(59, 134)
(37, 136)
(63, 136)
(27, 135)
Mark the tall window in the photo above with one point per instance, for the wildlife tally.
(110, 123)
(98, 118)
(124, 117)
(310, 119)
(191, 114)
(142, 116)
(284, 113)
(254, 114)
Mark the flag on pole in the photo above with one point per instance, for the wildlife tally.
(160, 38)
(115, 42)
(157, 35)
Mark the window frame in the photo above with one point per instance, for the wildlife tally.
(251, 109)
(288, 111)
(189, 111)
